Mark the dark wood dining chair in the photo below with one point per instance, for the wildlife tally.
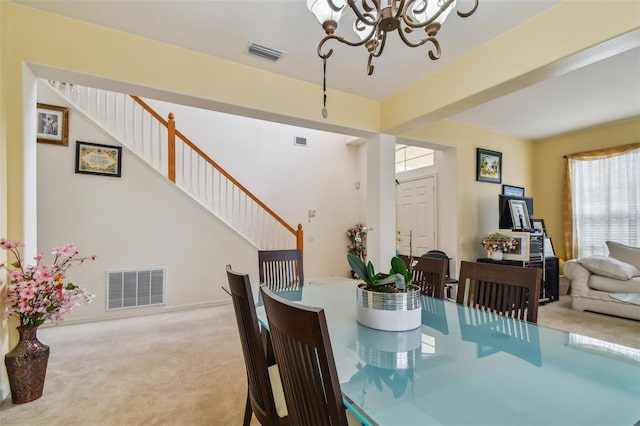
(281, 269)
(305, 359)
(508, 290)
(265, 398)
(449, 283)
(429, 274)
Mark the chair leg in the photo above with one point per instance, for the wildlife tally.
(247, 411)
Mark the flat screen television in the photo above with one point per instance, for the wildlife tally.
(504, 212)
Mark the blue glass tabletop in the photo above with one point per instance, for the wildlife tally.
(469, 367)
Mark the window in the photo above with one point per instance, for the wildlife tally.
(412, 157)
(605, 197)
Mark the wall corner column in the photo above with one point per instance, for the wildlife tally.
(381, 200)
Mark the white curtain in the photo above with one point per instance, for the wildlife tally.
(605, 196)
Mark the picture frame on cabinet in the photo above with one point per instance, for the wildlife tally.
(522, 250)
(519, 214)
(512, 190)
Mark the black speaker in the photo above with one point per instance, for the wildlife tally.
(551, 281)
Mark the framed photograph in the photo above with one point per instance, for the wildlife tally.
(512, 190)
(538, 225)
(489, 166)
(522, 251)
(519, 214)
(97, 159)
(53, 124)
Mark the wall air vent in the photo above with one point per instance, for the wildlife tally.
(134, 288)
(265, 52)
(300, 141)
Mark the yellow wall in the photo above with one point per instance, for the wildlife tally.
(477, 202)
(4, 335)
(549, 167)
(541, 47)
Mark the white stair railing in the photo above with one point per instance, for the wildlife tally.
(145, 133)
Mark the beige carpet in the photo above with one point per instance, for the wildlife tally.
(184, 368)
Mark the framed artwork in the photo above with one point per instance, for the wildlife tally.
(97, 159)
(489, 166)
(512, 190)
(519, 214)
(53, 124)
(538, 225)
(522, 251)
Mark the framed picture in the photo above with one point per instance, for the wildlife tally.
(97, 159)
(512, 190)
(538, 225)
(519, 214)
(522, 251)
(53, 124)
(489, 166)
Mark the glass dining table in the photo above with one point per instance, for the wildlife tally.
(464, 366)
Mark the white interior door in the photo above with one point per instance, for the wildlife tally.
(416, 215)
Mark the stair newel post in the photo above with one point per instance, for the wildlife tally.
(171, 135)
(299, 237)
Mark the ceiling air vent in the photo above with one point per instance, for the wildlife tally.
(264, 52)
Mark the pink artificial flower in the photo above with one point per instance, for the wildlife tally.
(27, 293)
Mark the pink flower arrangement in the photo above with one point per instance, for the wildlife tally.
(499, 242)
(358, 241)
(37, 293)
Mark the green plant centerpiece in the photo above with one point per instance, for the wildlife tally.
(387, 301)
(385, 283)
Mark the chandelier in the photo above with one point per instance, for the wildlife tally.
(374, 19)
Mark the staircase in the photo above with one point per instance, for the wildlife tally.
(129, 120)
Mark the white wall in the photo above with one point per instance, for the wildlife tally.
(290, 179)
(141, 220)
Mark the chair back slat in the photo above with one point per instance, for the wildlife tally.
(302, 349)
(428, 273)
(281, 269)
(508, 290)
(260, 393)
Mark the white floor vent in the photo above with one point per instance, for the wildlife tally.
(130, 289)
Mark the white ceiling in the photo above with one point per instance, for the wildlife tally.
(602, 92)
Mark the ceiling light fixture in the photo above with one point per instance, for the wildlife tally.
(375, 18)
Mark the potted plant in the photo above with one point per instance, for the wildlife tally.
(497, 244)
(34, 294)
(386, 301)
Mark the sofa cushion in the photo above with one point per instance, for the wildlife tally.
(626, 254)
(612, 285)
(609, 267)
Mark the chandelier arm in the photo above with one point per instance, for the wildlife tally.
(411, 23)
(400, 9)
(370, 66)
(434, 56)
(471, 12)
(341, 40)
(362, 16)
(381, 44)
